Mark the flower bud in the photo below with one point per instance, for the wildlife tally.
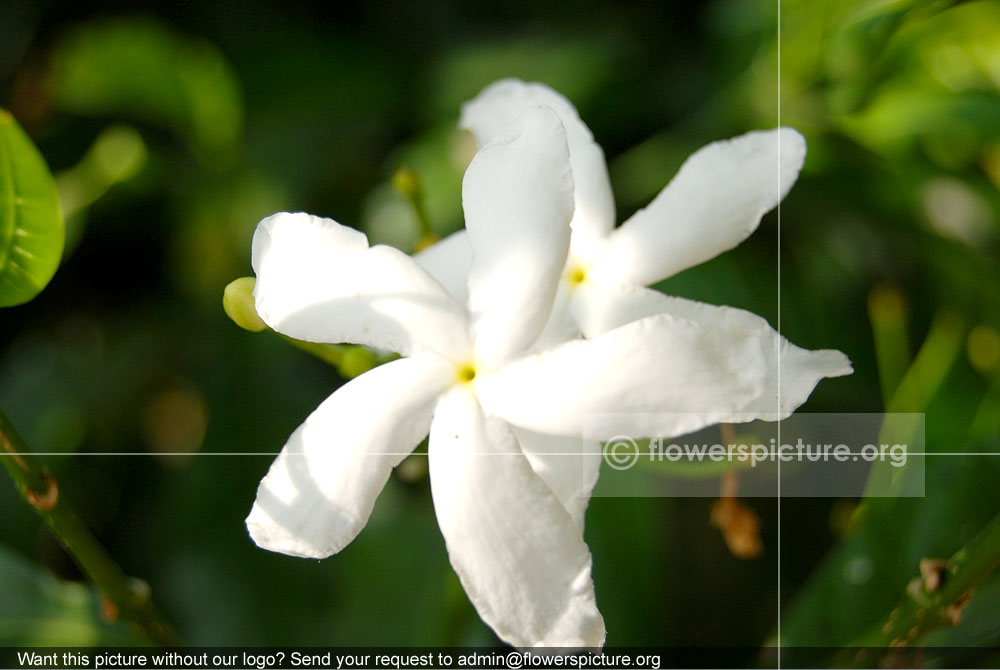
(407, 181)
(239, 304)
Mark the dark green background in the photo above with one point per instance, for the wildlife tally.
(235, 110)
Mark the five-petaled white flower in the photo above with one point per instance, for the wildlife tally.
(501, 410)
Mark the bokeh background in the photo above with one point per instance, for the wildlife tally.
(173, 129)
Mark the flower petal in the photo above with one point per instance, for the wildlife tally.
(560, 325)
(568, 465)
(502, 102)
(713, 203)
(659, 376)
(520, 557)
(449, 261)
(791, 372)
(319, 281)
(518, 199)
(319, 492)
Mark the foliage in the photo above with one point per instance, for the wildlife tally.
(171, 135)
(31, 227)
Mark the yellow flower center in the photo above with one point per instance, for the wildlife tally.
(576, 275)
(466, 373)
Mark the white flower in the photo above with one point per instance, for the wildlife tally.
(518, 552)
(501, 413)
(714, 202)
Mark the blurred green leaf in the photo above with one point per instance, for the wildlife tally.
(986, 421)
(936, 356)
(865, 576)
(887, 313)
(937, 597)
(39, 610)
(116, 155)
(898, 101)
(574, 67)
(919, 71)
(978, 625)
(31, 225)
(143, 70)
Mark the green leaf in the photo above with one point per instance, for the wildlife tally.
(141, 69)
(39, 610)
(865, 576)
(31, 224)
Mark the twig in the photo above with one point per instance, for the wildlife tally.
(933, 600)
(126, 599)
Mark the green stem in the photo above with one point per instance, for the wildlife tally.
(887, 314)
(409, 184)
(933, 362)
(933, 601)
(349, 360)
(130, 598)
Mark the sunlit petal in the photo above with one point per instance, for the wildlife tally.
(713, 203)
(503, 101)
(600, 310)
(518, 199)
(659, 376)
(319, 281)
(319, 492)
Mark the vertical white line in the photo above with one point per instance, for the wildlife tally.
(779, 330)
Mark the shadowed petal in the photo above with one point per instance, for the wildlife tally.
(568, 465)
(449, 261)
(521, 558)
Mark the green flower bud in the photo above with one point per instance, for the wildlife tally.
(239, 305)
(407, 181)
